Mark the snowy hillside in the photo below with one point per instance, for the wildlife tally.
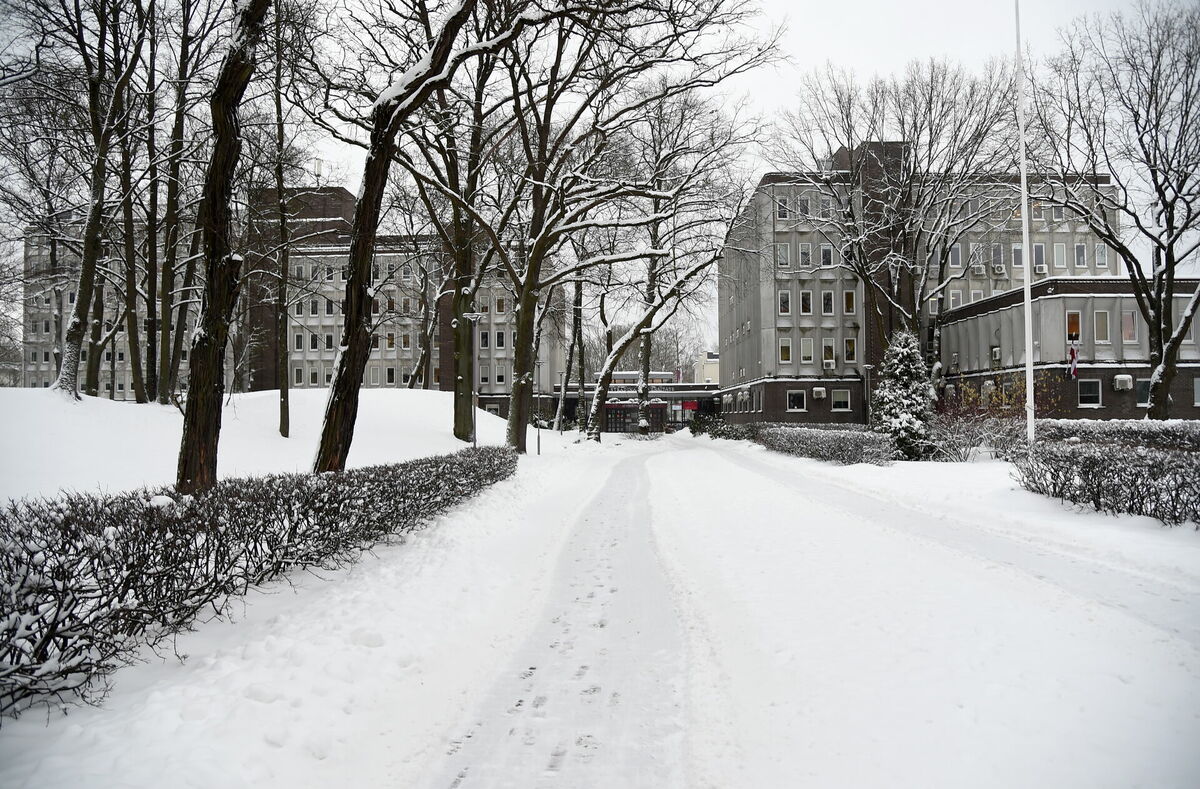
(48, 443)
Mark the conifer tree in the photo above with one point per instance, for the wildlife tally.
(903, 401)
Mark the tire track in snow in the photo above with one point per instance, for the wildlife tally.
(595, 697)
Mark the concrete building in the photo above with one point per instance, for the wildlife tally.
(707, 369)
(800, 333)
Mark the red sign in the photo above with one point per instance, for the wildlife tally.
(691, 405)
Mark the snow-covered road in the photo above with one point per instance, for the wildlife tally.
(687, 613)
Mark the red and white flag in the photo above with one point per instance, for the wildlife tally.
(1073, 358)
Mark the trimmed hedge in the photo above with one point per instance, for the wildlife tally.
(1159, 483)
(837, 446)
(1171, 434)
(86, 580)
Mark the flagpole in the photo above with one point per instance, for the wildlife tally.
(1026, 247)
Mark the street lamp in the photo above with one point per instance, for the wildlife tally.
(474, 318)
(562, 395)
(867, 393)
(537, 398)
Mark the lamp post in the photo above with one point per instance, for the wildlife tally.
(867, 393)
(562, 396)
(474, 318)
(537, 398)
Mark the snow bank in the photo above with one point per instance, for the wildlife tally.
(48, 443)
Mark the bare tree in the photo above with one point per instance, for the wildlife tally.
(1122, 100)
(202, 417)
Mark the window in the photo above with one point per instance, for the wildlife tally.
(1018, 259)
(785, 302)
(1039, 254)
(406, 305)
(1142, 388)
(499, 339)
(806, 302)
(329, 342)
(997, 254)
(499, 306)
(391, 340)
(1101, 256)
(796, 400)
(391, 375)
(806, 350)
(375, 375)
(298, 376)
(781, 207)
(827, 349)
(312, 377)
(408, 377)
(375, 341)
(933, 307)
(484, 373)
(485, 304)
(827, 302)
(46, 327)
(1128, 326)
(849, 304)
(955, 256)
(483, 339)
(1196, 391)
(375, 306)
(1100, 327)
(850, 349)
(1074, 320)
(499, 375)
(391, 304)
(345, 272)
(806, 255)
(406, 272)
(976, 295)
(1089, 393)
(840, 400)
(955, 299)
(299, 272)
(976, 254)
(826, 255)
(783, 256)
(329, 273)
(1080, 255)
(406, 340)
(328, 307)
(1035, 209)
(802, 206)
(1056, 213)
(785, 350)
(1060, 255)
(313, 308)
(312, 342)
(826, 208)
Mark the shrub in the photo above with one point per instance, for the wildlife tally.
(838, 446)
(1160, 483)
(1177, 434)
(957, 437)
(86, 580)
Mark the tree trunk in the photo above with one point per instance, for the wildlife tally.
(566, 379)
(95, 340)
(520, 400)
(581, 412)
(152, 273)
(129, 244)
(463, 301)
(181, 314)
(206, 386)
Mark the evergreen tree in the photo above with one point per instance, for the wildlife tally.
(903, 402)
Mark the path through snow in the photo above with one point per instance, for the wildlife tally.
(687, 613)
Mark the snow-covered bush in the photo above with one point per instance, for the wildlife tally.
(957, 437)
(1160, 483)
(86, 580)
(903, 401)
(1180, 434)
(837, 446)
(717, 427)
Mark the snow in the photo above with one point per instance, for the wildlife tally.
(684, 612)
(48, 442)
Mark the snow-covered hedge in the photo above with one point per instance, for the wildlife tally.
(86, 580)
(837, 446)
(1180, 434)
(1160, 483)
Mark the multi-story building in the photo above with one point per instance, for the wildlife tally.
(707, 368)
(800, 331)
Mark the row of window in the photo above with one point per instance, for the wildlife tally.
(371, 376)
(828, 302)
(486, 338)
(1091, 393)
(828, 350)
(343, 272)
(314, 306)
(108, 355)
(825, 255)
(993, 254)
(797, 400)
(485, 374)
(745, 402)
(801, 207)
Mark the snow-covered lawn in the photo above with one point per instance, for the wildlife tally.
(682, 613)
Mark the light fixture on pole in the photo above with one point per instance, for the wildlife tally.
(1026, 248)
(562, 395)
(537, 398)
(474, 318)
(867, 393)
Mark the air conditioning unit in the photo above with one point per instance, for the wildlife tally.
(996, 354)
(1040, 268)
(1123, 383)
(818, 393)
(978, 270)
(830, 364)
(998, 270)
